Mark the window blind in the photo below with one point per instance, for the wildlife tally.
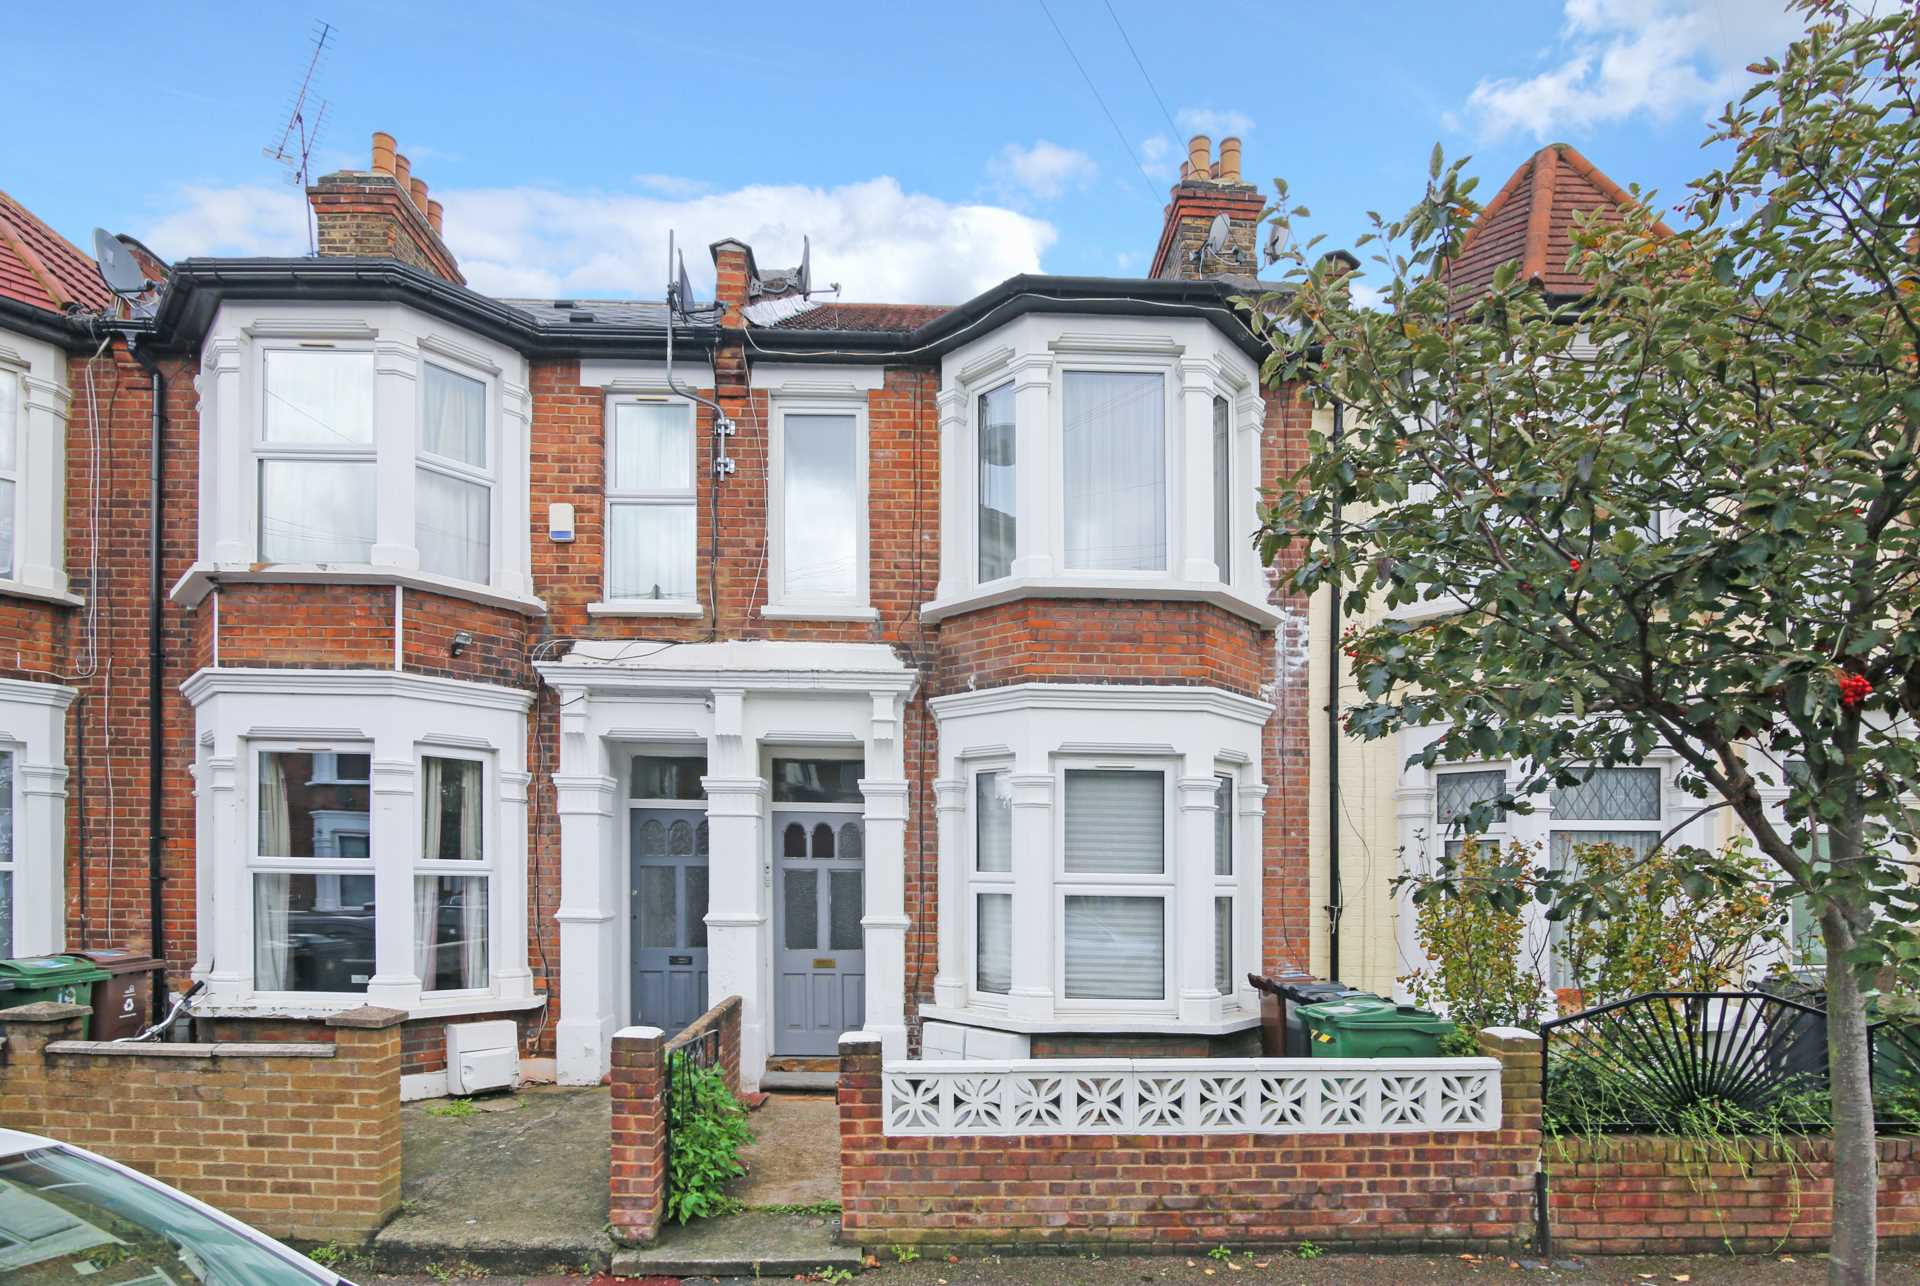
(1115, 822)
(1116, 948)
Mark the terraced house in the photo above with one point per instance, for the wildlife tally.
(577, 661)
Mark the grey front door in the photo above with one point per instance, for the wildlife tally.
(668, 907)
(819, 862)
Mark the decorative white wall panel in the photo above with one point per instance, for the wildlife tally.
(1192, 1096)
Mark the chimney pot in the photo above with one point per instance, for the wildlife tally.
(402, 170)
(419, 189)
(1230, 160)
(436, 216)
(1200, 154)
(382, 152)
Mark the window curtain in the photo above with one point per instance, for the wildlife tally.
(993, 945)
(1222, 489)
(1114, 436)
(433, 783)
(993, 823)
(1223, 945)
(473, 931)
(453, 423)
(271, 897)
(472, 848)
(453, 526)
(650, 550)
(997, 449)
(276, 820)
(426, 932)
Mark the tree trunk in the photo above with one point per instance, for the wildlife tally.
(1856, 1177)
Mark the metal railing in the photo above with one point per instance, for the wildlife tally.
(684, 1054)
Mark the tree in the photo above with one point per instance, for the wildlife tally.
(1679, 511)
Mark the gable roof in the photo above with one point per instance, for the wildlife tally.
(1531, 220)
(42, 269)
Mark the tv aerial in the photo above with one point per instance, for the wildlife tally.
(122, 272)
(306, 118)
(1277, 239)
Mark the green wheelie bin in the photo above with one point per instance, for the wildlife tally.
(1369, 1027)
(66, 979)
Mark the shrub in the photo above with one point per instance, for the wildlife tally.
(709, 1128)
(1472, 931)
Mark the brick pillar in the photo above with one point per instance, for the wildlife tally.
(733, 273)
(25, 1033)
(860, 1126)
(637, 1185)
(366, 1052)
(730, 1042)
(1520, 1054)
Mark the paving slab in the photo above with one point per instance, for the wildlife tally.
(794, 1159)
(758, 1243)
(518, 1185)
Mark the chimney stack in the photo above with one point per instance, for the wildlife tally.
(1209, 186)
(382, 213)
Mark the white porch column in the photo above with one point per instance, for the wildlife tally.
(884, 923)
(1033, 479)
(1031, 995)
(591, 895)
(739, 881)
(396, 417)
(395, 837)
(1192, 435)
(1193, 980)
(224, 886)
(509, 886)
(39, 880)
(950, 984)
(1249, 874)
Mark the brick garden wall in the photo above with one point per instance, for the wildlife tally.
(301, 1140)
(1183, 1193)
(1642, 1195)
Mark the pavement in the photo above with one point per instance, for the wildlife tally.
(1358, 1270)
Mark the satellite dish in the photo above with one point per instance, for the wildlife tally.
(1277, 239)
(683, 289)
(119, 268)
(1217, 235)
(803, 276)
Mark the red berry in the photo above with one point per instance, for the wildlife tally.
(1573, 564)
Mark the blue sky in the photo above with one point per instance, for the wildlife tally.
(929, 150)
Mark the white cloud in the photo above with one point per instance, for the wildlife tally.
(1213, 122)
(673, 185)
(1044, 171)
(1160, 158)
(879, 241)
(1621, 58)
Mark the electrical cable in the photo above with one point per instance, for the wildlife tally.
(1167, 115)
(1140, 167)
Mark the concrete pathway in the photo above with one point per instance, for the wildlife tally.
(518, 1185)
(795, 1159)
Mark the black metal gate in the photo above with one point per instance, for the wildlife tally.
(684, 1054)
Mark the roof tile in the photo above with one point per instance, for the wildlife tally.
(42, 269)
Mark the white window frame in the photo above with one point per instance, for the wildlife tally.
(486, 475)
(265, 452)
(978, 882)
(1227, 884)
(1164, 886)
(18, 404)
(975, 397)
(424, 866)
(1498, 832)
(689, 497)
(858, 604)
(255, 864)
(11, 865)
(1171, 440)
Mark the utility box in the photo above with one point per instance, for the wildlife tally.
(483, 1056)
(123, 1002)
(1368, 1027)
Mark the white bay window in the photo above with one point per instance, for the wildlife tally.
(450, 883)
(453, 503)
(317, 464)
(1098, 857)
(1137, 446)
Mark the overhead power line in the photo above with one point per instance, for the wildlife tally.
(1140, 168)
(1118, 26)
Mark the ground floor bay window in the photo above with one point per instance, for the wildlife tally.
(362, 840)
(33, 796)
(1098, 858)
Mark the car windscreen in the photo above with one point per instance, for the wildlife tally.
(67, 1218)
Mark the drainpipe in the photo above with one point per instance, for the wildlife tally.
(1336, 900)
(156, 655)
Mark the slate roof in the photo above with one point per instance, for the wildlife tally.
(42, 269)
(1531, 220)
(884, 317)
(559, 314)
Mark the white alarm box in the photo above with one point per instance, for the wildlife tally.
(482, 1056)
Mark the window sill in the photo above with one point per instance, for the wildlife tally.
(791, 612)
(202, 578)
(320, 1007)
(1164, 589)
(645, 607)
(20, 589)
(1160, 1024)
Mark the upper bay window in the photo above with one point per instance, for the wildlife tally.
(652, 523)
(1101, 457)
(361, 444)
(9, 466)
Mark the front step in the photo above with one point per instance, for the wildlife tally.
(810, 1081)
(759, 1243)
